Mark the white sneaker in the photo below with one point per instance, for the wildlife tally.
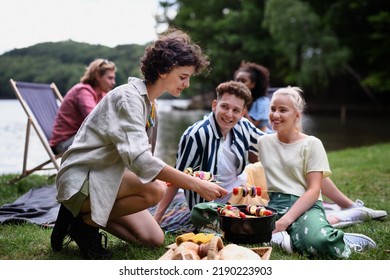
(358, 242)
(357, 213)
(350, 217)
(374, 214)
(282, 240)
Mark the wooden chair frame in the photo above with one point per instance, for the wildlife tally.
(34, 118)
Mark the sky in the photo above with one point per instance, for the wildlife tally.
(24, 23)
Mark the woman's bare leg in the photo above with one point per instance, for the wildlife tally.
(133, 196)
(139, 227)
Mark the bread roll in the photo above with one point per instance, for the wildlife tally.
(215, 245)
(235, 252)
(186, 251)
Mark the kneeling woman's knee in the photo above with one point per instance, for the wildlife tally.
(155, 192)
(157, 240)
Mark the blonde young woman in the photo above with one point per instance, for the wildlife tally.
(295, 165)
(346, 211)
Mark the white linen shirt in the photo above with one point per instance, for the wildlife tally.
(112, 138)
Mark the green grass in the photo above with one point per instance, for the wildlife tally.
(360, 173)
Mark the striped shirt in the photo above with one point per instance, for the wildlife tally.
(201, 143)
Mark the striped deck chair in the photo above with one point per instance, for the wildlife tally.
(41, 103)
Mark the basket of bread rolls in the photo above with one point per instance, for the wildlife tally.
(201, 246)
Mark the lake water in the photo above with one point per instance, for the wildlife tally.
(13, 121)
(355, 132)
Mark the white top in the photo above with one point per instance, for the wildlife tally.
(228, 173)
(112, 139)
(286, 165)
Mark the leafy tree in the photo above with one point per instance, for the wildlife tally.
(229, 31)
(363, 27)
(312, 52)
(334, 49)
(352, 39)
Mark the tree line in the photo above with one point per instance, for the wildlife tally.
(336, 50)
(63, 63)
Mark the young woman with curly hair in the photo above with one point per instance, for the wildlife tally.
(109, 177)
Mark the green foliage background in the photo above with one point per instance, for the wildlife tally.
(333, 49)
(336, 50)
(64, 63)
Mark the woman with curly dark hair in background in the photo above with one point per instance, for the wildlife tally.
(256, 78)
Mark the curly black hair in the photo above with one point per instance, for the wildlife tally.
(173, 49)
(258, 74)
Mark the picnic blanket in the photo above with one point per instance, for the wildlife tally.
(39, 206)
(177, 217)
